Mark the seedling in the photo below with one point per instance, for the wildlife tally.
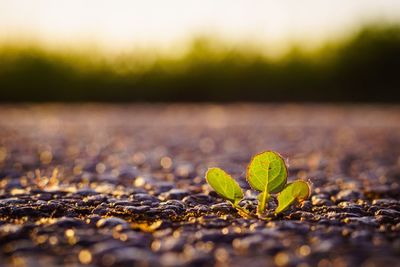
(267, 173)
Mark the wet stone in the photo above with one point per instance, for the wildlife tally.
(121, 203)
(210, 221)
(100, 210)
(222, 208)
(167, 213)
(368, 221)
(385, 202)
(321, 200)
(301, 215)
(372, 209)
(175, 205)
(347, 195)
(150, 203)
(111, 222)
(11, 201)
(136, 209)
(44, 196)
(347, 215)
(163, 187)
(388, 212)
(306, 205)
(145, 197)
(177, 194)
(381, 219)
(199, 209)
(86, 192)
(68, 222)
(194, 200)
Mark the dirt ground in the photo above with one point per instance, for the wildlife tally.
(123, 185)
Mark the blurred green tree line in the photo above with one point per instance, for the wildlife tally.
(362, 68)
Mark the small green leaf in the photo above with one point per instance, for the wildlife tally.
(296, 191)
(224, 185)
(266, 173)
(267, 170)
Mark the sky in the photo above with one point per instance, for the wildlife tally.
(121, 23)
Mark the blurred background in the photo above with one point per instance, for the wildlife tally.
(212, 51)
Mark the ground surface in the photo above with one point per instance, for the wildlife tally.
(124, 185)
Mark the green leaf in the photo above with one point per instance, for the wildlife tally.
(267, 172)
(224, 185)
(296, 191)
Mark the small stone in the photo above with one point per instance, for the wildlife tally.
(111, 222)
(369, 221)
(301, 215)
(86, 192)
(222, 208)
(145, 197)
(136, 209)
(388, 212)
(68, 222)
(385, 202)
(321, 200)
(194, 200)
(174, 194)
(209, 221)
(306, 205)
(347, 195)
(381, 219)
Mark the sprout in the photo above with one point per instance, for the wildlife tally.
(266, 173)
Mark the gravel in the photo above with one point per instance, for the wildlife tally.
(123, 185)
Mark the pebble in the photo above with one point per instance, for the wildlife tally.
(301, 215)
(145, 197)
(210, 221)
(368, 221)
(388, 212)
(321, 200)
(177, 194)
(137, 209)
(65, 222)
(347, 195)
(385, 202)
(194, 200)
(222, 208)
(111, 222)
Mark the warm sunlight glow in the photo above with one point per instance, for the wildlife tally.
(124, 23)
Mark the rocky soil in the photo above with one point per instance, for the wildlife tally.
(123, 185)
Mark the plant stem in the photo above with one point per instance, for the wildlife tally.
(262, 203)
(242, 211)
